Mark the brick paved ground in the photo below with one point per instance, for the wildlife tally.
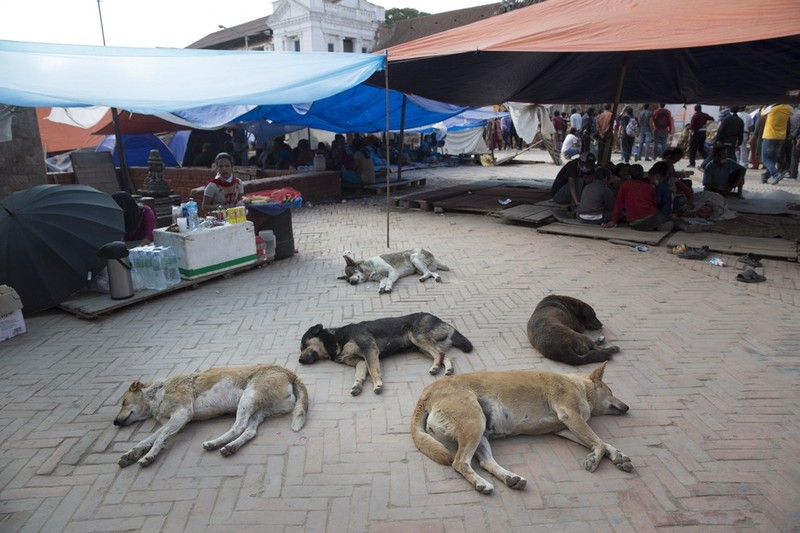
(708, 365)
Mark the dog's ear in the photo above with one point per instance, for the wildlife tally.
(597, 373)
(350, 261)
(342, 277)
(136, 386)
(315, 329)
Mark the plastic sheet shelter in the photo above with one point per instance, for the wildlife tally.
(166, 80)
(573, 51)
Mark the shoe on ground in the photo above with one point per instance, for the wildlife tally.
(775, 180)
(750, 259)
(750, 276)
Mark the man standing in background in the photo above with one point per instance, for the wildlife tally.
(697, 125)
(776, 127)
(747, 120)
(662, 127)
(645, 133)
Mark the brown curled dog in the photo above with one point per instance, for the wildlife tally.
(556, 329)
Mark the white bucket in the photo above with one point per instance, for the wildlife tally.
(269, 240)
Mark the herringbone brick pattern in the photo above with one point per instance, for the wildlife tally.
(708, 366)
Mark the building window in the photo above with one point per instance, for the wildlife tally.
(347, 45)
(297, 45)
(330, 47)
(363, 49)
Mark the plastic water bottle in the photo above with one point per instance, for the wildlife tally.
(159, 279)
(191, 209)
(147, 268)
(171, 271)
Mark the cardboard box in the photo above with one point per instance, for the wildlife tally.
(212, 250)
(11, 321)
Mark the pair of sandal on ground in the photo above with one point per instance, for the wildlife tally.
(750, 275)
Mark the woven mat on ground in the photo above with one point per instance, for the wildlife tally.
(753, 225)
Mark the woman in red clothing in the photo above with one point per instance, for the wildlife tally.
(637, 198)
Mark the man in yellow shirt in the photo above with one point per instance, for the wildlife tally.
(772, 139)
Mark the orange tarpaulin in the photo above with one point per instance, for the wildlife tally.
(572, 51)
(57, 137)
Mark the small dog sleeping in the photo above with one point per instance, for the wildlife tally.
(388, 268)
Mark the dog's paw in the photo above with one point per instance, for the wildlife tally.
(623, 462)
(377, 389)
(355, 390)
(484, 487)
(384, 291)
(147, 460)
(434, 370)
(516, 482)
(448, 371)
(612, 349)
(592, 461)
(600, 340)
(437, 278)
(126, 460)
(226, 451)
(209, 445)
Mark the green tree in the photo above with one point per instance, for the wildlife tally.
(395, 14)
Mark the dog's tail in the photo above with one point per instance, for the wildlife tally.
(441, 266)
(300, 406)
(427, 444)
(461, 342)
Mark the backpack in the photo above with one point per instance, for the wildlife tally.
(632, 128)
(661, 119)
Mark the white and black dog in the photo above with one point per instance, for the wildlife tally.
(363, 344)
(388, 268)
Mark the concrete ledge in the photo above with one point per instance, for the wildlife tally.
(314, 186)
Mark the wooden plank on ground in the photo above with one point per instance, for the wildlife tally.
(424, 199)
(526, 213)
(738, 244)
(596, 232)
(91, 305)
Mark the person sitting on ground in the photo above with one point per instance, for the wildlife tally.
(637, 199)
(571, 145)
(204, 158)
(680, 182)
(567, 186)
(597, 198)
(660, 180)
(224, 190)
(140, 220)
(723, 174)
(364, 167)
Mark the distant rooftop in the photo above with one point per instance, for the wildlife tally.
(231, 38)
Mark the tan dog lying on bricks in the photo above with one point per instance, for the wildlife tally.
(455, 418)
(253, 393)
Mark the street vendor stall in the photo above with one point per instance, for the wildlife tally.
(212, 250)
(271, 210)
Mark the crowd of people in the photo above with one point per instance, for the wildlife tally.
(660, 197)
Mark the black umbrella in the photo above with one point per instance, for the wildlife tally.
(50, 235)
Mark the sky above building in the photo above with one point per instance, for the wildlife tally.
(151, 23)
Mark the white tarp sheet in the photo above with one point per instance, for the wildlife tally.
(167, 80)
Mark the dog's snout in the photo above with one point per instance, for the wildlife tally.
(353, 281)
(308, 357)
(622, 408)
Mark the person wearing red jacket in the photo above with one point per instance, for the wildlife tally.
(637, 198)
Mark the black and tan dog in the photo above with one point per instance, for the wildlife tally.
(363, 344)
(556, 329)
(463, 412)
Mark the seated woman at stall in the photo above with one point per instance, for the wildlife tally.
(224, 190)
(303, 156)
(140, 220)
